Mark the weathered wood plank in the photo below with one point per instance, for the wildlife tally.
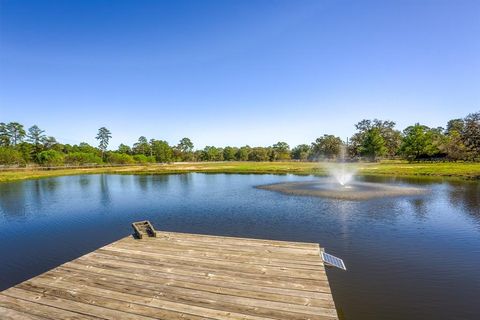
(236, 240)
(172, 278)
(62, 289)
(180, 276)
(10, 314)
(219, 255)
(278, 252)
(250, 247)
(69, 302)
(156, 302)
(36, 309)
(193, 252)
(282, 282)
(220, 288)
(193, 290)
(226, 258)
(198, 264)
(219, 302)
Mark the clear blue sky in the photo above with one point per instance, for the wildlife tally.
(235, 72)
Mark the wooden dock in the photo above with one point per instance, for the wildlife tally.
(180, 276)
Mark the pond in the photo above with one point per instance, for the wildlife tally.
(408, 257)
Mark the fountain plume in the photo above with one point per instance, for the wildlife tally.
(342, 172)
(341, 184)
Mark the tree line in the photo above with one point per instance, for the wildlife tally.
(373, 140)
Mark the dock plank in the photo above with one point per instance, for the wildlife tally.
(40, 310)
(154, 263)
(11, 314)
(180, 276)
(222, 256)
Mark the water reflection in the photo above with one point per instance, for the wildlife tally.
(420, 208)
(467, 196)
(148, 183)
(13, 200)
(104, 190)
(36, 191)
(143, 182)
(84, 181)
(125, 180)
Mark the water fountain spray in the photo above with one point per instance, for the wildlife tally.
(340, 171)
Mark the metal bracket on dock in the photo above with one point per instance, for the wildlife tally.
(143, 229)
(333, 261)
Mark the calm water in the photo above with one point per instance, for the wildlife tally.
(407, 258)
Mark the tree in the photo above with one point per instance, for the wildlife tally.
(36, 137)
(198, 155)
(392, 138)
(258, 154)
(373, 144)
(51, 143)
(67, 148)
(142, 147)
(185, 147)
(15, 132)
(10, 156)
(280, 151)
(211, 153)
(438, 140)
(4, 136)
(301, 152)
(327, 146)
(50, 158)
(418, 141)
(456, 125)
(453, 146)
(161, 150)
(26, 149)
(123, 148)
(229, 153)
(243, 153)
(86, 148)
(103, 137)
(471, 134)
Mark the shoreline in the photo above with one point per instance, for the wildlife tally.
(467, 171)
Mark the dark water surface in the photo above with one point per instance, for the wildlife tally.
(407, 257)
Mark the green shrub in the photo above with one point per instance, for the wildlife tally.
(119, 158)
(50, 158)
(82, 158)
(10, 156)
(141, 158)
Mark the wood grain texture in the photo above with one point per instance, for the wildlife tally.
(180, 276)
